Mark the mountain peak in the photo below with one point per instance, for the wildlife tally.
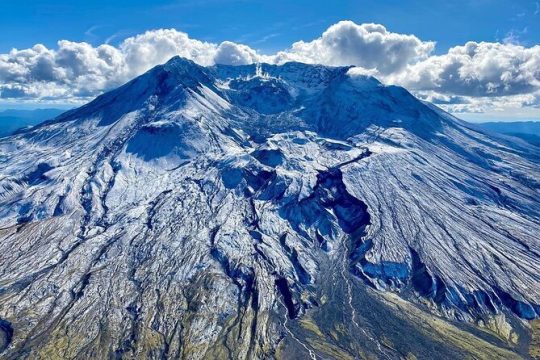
(181, 65)
(267, 89)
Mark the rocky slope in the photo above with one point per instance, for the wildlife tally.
(262, 211)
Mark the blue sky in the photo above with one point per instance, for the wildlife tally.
(479, 59)
(264, 25)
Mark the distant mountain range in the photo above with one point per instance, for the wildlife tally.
(526, 130)
(12, 120)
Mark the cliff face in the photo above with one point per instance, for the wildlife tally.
(265, 211)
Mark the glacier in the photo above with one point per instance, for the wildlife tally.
(264, 211)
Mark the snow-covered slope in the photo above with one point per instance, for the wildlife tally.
(265, 211)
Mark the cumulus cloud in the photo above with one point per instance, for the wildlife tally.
(370, 46)
(144, 51)
(476, 69)
(471, 77)
(74, 69)
(229, 53)
(507, 106)
(80, 71)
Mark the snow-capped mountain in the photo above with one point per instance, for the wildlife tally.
(263, 211)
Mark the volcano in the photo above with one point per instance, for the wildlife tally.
(264, 211)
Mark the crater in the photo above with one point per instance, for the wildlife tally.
(266, 96)
(268, 157)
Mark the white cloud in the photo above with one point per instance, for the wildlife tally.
(369, 46)
(229, 53)
(79, 70)
(482, 104)
(72, 70)
(144, 51)
(476, 69)
(474, 77)
(477, 77)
